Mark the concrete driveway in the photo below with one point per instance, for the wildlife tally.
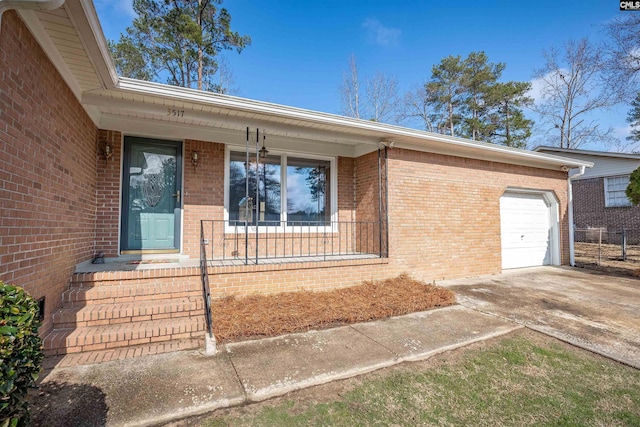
(595, 311)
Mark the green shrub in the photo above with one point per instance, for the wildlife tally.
(633, 189)
(20, 353)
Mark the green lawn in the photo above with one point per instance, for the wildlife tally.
(523, 379)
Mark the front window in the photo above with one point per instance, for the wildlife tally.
(292, 190)
(308, 191)
(268, 179)
(614, 191)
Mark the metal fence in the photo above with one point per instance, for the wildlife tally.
(602, 245)
(235, 240)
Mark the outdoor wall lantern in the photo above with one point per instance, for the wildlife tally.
(263, 151)
(195, 158)
(107, 150)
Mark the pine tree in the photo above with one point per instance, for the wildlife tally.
(479, 76)
(445, 89)
(179, 39)
(634, 119)
(508, 125)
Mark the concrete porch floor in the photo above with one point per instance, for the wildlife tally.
(180, 261)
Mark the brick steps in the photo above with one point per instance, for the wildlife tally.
(110, 316)
(126, 312)
(138, 291)
(64, 341)
(98, 356)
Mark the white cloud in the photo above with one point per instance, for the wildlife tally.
(117, 7)
(381, 35)
(539, 85)
(127, 7)
(621, 132)
(535, 92)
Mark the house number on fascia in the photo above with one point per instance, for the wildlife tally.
(175, 113)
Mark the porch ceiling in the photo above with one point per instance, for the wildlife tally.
(153, 115)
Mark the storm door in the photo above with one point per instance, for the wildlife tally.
(151, 196)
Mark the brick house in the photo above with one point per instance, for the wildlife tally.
(599, 199)
(150, 176)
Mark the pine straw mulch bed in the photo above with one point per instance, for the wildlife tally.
(259, 316)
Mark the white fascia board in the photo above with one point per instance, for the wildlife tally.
(569, 162)
(570, 151)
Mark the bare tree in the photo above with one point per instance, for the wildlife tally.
(623, 47)
(226, 79)
(350, 90)
(382, 98)
(573, 86)
(418, 106)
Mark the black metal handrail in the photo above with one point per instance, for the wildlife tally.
(204, 275)
(235, 240)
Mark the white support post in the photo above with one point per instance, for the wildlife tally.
(210, 345)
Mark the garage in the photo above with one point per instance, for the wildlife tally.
(528, 229)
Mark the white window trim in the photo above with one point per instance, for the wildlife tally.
(607, 202)
(283, 228)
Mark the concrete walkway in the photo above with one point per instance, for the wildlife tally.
(155, 389)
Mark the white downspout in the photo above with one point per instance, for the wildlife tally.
(572, 255)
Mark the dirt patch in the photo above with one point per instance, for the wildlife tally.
(608, 258)
(259, 316)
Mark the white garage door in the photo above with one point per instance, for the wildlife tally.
(525, 230)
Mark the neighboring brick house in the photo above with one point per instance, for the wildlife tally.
(92, 163)
(599, 199)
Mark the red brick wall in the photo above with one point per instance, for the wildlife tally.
(203, 191)
(590, 211)
(108, 193)
(346, 189)
(444, 212)
(366, 171)
(367, 202)
(47, 170)
(299, 276)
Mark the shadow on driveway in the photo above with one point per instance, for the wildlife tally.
(592, 310)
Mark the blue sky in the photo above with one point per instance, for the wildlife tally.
(301, 49)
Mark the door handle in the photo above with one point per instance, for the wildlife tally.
(177, 196)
